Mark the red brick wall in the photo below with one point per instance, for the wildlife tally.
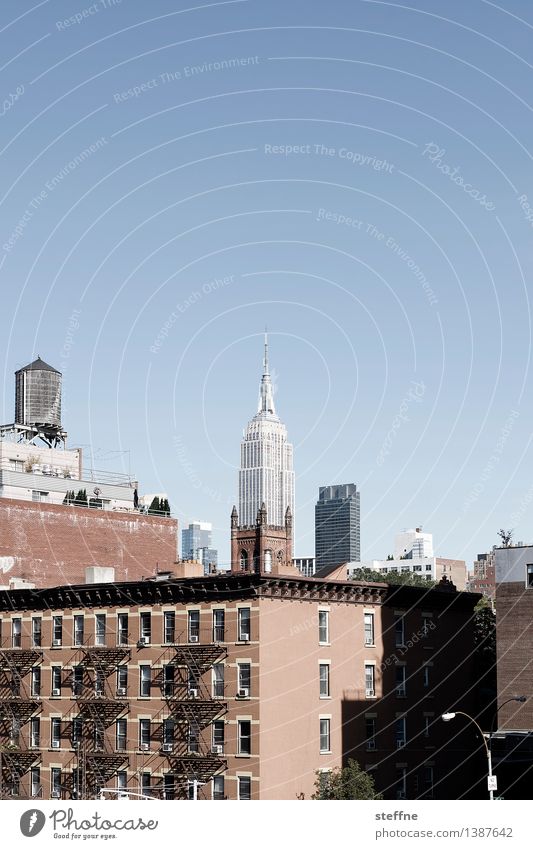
(52, 544)
(514, 646)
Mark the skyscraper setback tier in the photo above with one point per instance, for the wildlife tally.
(337, 525)
(266, 475)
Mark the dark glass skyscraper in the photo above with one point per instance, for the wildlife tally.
(337, 525)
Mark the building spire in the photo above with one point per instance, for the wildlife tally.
(266, 396)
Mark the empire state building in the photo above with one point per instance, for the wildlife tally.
(261, 531)
(266, 475)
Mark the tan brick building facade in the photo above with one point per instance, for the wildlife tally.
(236, 686)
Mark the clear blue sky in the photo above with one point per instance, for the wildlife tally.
(356, 175)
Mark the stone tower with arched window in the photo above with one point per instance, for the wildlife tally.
(262, 548)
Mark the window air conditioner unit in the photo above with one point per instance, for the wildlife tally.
(167, 747)
(400, 692)
(193, 693)
(370, 692)
(400, 744)
(56, 642)
(244, 693)
(55, 744)
(121, 691)
(55, 794)
(193, 638)
(56, 691)
(370, 745)
(144, 640)
(217, 750)
(145, 747)
(400, 794)
(245, 638)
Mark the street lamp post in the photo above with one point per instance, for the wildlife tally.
(491, 778)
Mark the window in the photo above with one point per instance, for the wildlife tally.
(244, 678)
(400, 681)
(122, 629)
(369, 629)
(244, 737)
(218, 626)
(218, 680)
(218, 736)
(36, 631)
(122, 780)
(427, 725)
(55, 782)
(168, 680)
(193, 738)
(39, 495)
(146, 783)
(35, 732)
(325, 735)
(244, 624)
(36, 681)
(78, 630)
(99, 683)
(370, 732)
(100, 626)
(268, 560)
(169, 625)
(427, 626)
(144, 733)
(169, 789)
(323, 626)
(399, 630)
(121, 735)
(16, 633)
(35, 781)
(401, 782)
(427, 781)
(193, 683)
(400, 732)
(245, 787)
(56, 680)
(425, 672)
(57, 630)
(145, 680)
(370, 680)
(244, 560)
(428, 567)
(146, 628)
(218, 787)
(168, 734)
(529, 574)
(77, 731)
(98, 737)
(55, 732)
(324, 680)
(193, 626)
(77, 680)
(122, 680)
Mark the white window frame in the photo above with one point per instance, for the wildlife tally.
(369, 615)
(370, 692)
(325, 734)
(324, 679)
(244, 621)
(323, 614)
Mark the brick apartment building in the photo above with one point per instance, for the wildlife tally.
(237, 686)
(513, 746)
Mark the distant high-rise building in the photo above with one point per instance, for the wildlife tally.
(337, 525)
(413, 543)
(266, 475)
(196, 540)
(261, 530)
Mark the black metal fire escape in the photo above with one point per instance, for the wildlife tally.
(16, 708)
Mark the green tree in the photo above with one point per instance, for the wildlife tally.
(164, 507)
(155, 506)
(350, 782)
(410, 579)
(81, 498)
